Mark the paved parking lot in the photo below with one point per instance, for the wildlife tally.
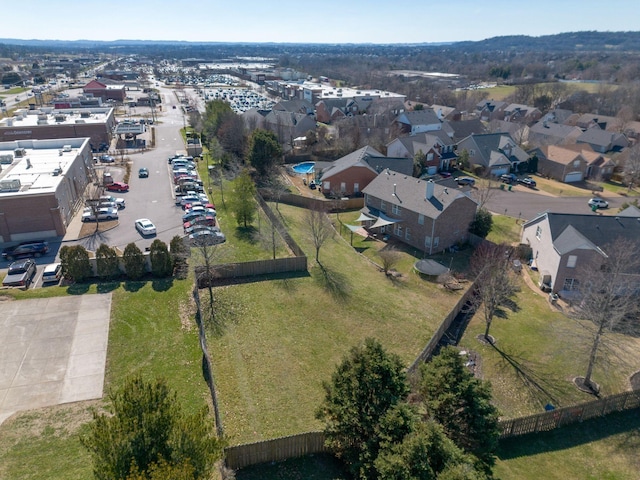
(53, 351)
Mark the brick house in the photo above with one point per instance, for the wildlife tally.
(437, 147)
(422, 214)
(348, 175)
(561, 164)
(498, 153)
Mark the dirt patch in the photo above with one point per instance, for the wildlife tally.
(6, 298)
(187, 313)
(89, 228)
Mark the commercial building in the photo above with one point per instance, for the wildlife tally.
(96, 123)
(41, 186)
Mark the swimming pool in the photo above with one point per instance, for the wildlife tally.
(304, 167)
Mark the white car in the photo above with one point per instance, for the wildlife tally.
(120, 203)
(598, 203)
(107, 213)
(52, 273)
(145, 227)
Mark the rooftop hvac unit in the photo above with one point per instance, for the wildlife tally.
(19, 152)
(6, 159)
(79, 120)
(66, 148)
(10, 185)
(42, 116)
(85, 114)
(60, 118)
(43, 122)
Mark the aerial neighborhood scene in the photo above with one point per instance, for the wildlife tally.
(241, 242)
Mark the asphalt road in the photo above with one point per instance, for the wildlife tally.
(527, 204)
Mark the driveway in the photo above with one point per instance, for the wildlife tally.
(53, 351)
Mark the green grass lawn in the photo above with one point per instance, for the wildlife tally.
(282, 337)
(505, 229)
(151, 333)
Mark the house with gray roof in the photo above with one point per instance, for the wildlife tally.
(603, 141)
(350, 174)
(498, 153)
(549, 133)
(288, 125)
(420, 213)
(436, 146)
(418, 121)
(460, 130)
(519, 113)
(564, 245)
(489, 110)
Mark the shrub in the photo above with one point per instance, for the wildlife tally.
(107, 263)
(179, 253)
(161, 264)
(134, 263)
(75, 263)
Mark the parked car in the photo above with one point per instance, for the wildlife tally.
(118, 187)
(120, 202)
(508, 178)
(598, 203)
(466, 181)
(206, 220)
(445, 174)
(25, 249)
(107, 159)
(52, 273)
(145, 227)
(20, 273)
(200, 226)
(527, 182)
(143, 173)
(108, 213)
(206, 238)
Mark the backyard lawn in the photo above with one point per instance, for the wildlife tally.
(283, 336)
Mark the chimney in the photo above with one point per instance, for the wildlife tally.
(430, 188)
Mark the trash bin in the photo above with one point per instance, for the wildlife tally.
(510, 187)
(502, 186)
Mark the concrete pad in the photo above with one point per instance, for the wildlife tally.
(52, 351)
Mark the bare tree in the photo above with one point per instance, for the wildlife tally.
(320, 228)
(495, 280)
(208, 255)
(389, 257)
(485, 189)
(632, 167)
(608, 298)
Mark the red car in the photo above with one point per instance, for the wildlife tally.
(118, 187)
(207, 220)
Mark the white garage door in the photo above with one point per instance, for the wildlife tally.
(499, 171)
(573, 177)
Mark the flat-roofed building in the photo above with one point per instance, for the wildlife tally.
(96, 123)
(41, 186)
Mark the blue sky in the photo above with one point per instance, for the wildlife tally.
(324, 21)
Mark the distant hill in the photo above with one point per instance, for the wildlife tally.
(588, 41)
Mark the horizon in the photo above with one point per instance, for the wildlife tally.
(358, 22)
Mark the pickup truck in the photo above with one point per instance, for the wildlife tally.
(20, 274)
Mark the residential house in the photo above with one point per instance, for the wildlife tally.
(295, 106)
(519, 113)
(489, 110)
(458, 131)
(498, 153)
(437, 147)
(603, 141)
(447, 113)
(565, 245)
(561, 164)
(557, 115)
(350, 174)
(329, 110)
(289, 125)
(518, 131)
(549, 133)
(599, 166)
(422, 214)
(418, 121)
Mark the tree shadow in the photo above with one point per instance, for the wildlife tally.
(162, 284)
(626, 424)
(541, 386)
(248, 234)
(334, 282)
(108, 286)
(93, 241)
(133, 286)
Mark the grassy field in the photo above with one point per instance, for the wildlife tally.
(152, 333)
(505, 229)
(283, 336)
(503, 91)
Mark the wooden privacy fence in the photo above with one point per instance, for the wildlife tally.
(328, 205)
(559, 417)
(427, 351)
(249, 269)
(275, 450)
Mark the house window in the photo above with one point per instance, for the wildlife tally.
(383, 206)
(420, 219)
(576, 164)
(407, 234)
(436, 241)
(429, 156)
(427, 241)
(398, 229)
(571, 261)
(571, 284)
(327, 186)
(396, 209)
(343, 187)
(538, 232)
(356, 187)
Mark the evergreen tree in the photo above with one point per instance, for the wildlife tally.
(134, 262)
(161, 265)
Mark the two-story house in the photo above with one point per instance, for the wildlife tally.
(564, 245)
(498, 153)
(422, 214)
(436, 146)
(418, 121)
